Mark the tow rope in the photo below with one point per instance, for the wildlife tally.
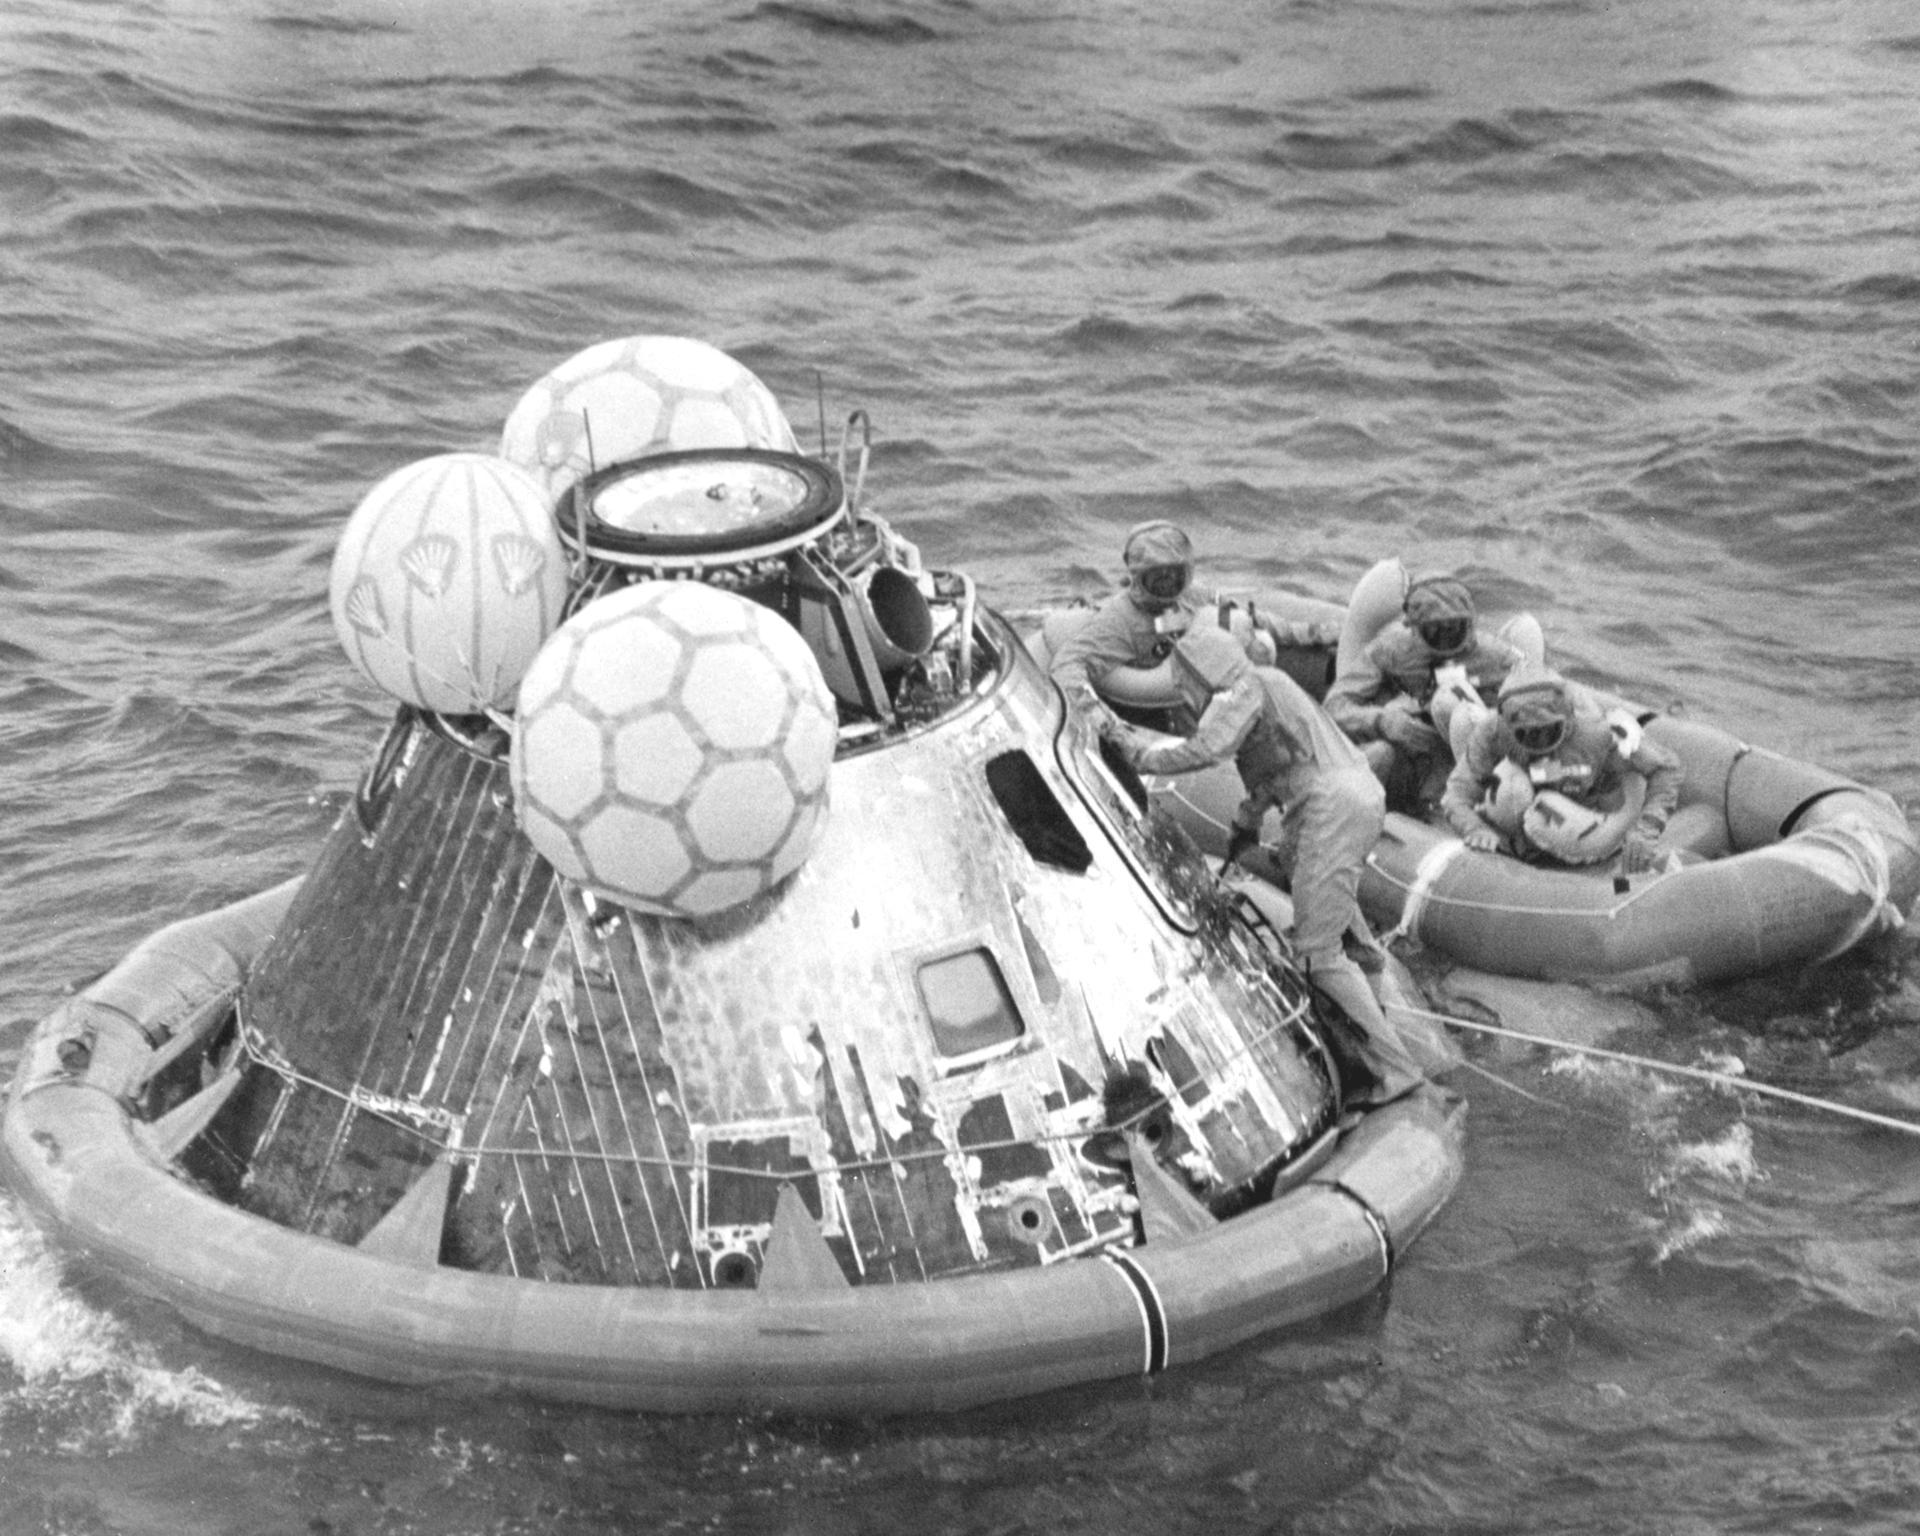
(1735, 1081)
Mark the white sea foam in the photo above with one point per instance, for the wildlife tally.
(1692, 1227)
(1728, 1159)
(1680, 1171)
(1597, 1074)
(58, 1348)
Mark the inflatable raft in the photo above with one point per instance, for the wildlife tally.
(632, 1042)
(1769, 861)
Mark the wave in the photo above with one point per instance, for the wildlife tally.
(26, 132)
(1881, 288)
(1466, 140)
(18, 447)
(1107, 333)
(1302, 149)
(630, 199)
(1686, 89)
(1640, 175)
(1726, 1159)
(1433, 277)
(897, 28)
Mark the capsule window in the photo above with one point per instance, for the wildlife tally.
(967, 1001)
(1035, 813)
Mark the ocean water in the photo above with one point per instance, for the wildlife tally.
(1613, 305)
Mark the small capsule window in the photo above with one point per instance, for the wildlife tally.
(967, 1001)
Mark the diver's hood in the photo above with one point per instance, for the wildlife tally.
(1535, 696)
(1437, 597)
(1212, 657)
(1158, 542)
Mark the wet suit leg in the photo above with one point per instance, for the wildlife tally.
(1340, 816)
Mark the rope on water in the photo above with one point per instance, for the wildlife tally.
(1512, 1087)
(1729, 1080)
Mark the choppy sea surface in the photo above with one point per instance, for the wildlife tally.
(1613, 305)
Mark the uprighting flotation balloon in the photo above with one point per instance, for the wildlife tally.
(621, 400)
(447, 580)
(671, 748)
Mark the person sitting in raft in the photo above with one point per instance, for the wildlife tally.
(1548, 773)
(1383, 702)
(1293, 758)
(1137, 626)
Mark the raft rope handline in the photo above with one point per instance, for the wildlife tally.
(1421, 894)
(1433, 899)
(410, 1118)
(1426, 874)
(1729, 1080)
(1426, 898)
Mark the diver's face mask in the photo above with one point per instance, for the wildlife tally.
(1538, 737)
(1163, 583)
(1446, 637)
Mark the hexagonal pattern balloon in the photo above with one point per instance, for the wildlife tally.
(621, 400)
(447, 580)
(672, 747)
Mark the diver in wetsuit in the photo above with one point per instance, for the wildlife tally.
(1548, 753)
(1293, 758)
(1383, 701)
(1138, 625)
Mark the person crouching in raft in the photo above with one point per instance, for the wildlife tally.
(1291, 757)
(1547, 773)
(1384, 701)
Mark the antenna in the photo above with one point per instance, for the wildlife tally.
(579, 492)
(820, 397)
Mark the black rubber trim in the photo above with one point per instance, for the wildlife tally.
(1153, 1314)
(1374, 1220)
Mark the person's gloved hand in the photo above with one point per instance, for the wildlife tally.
(1482, 840)
(1401, 724)
(1239, 841)
(1640, 851)
(1124, 739)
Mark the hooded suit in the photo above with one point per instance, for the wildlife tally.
(1132, 628)
(1590, 765)
(1291, 756)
